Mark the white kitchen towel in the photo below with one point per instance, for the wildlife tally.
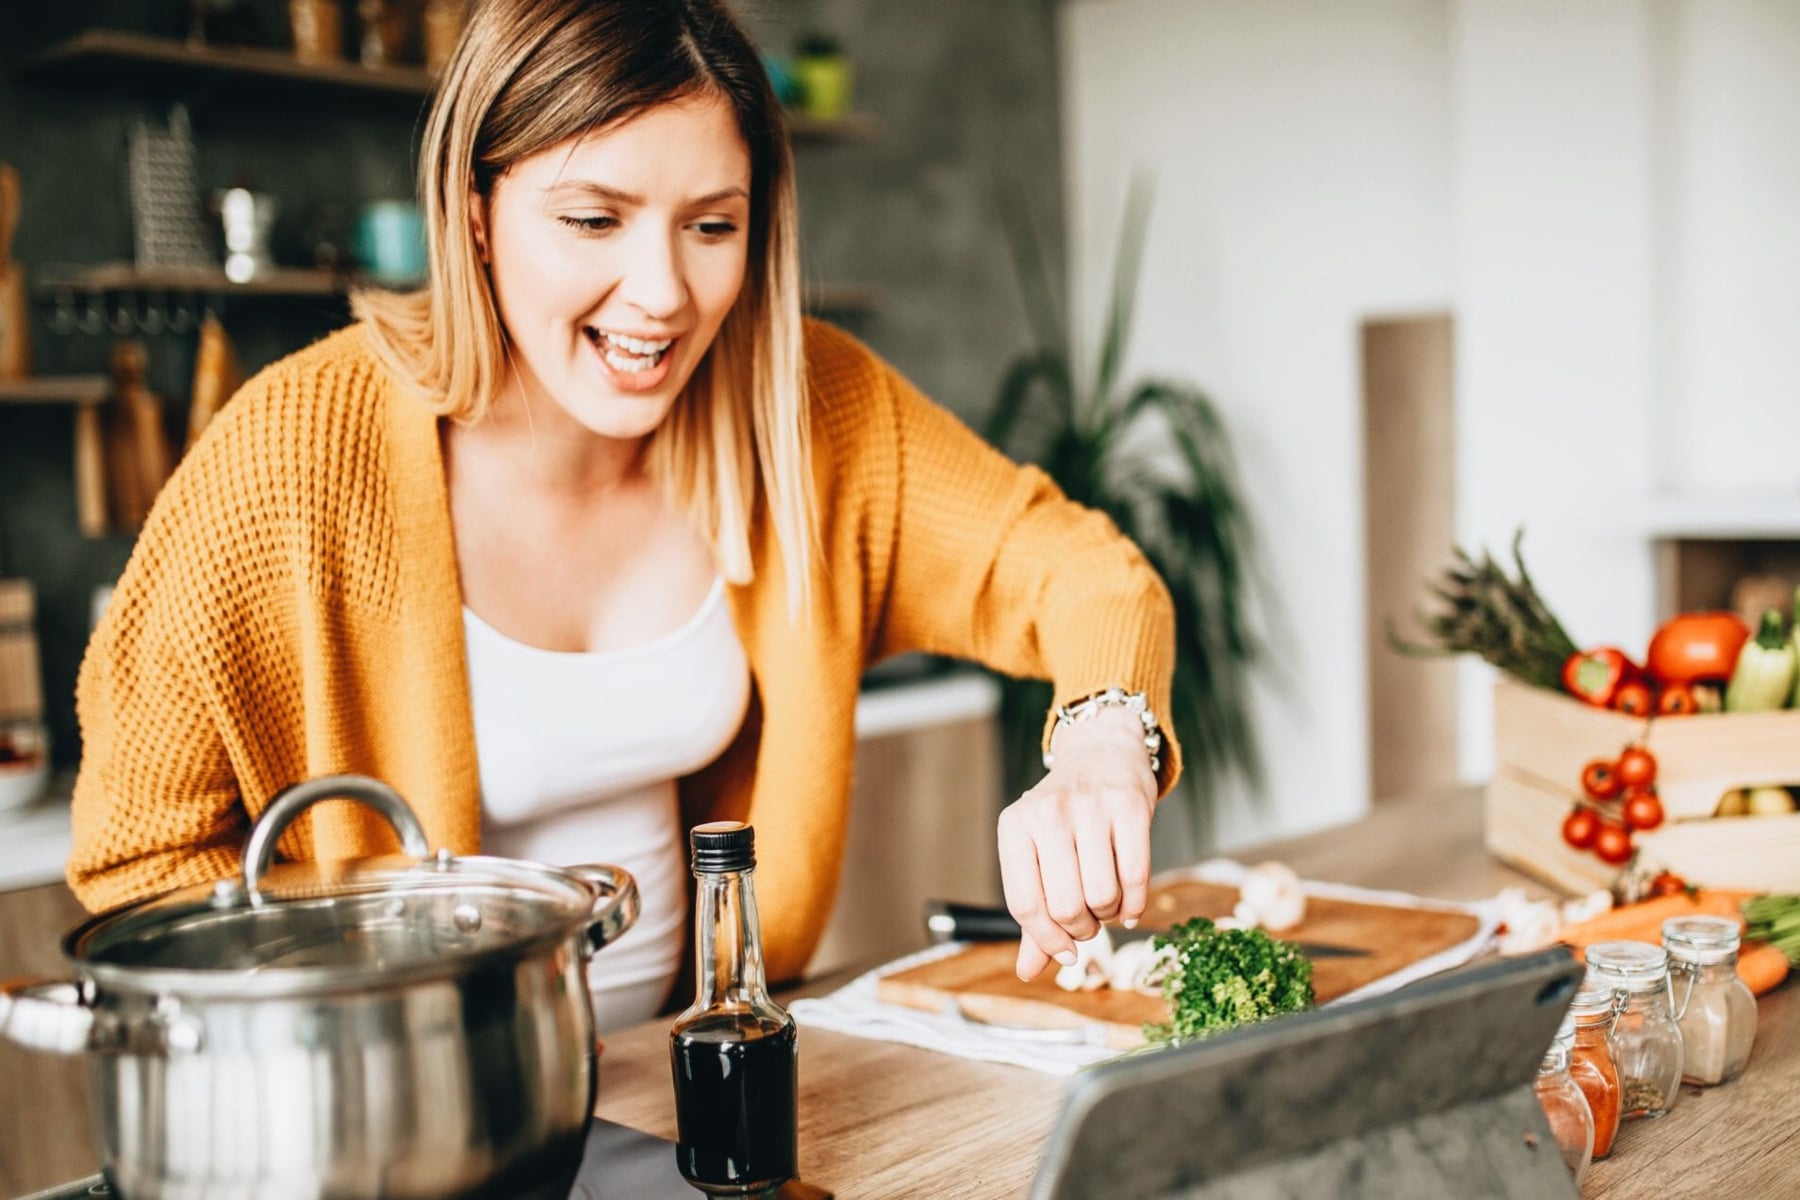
(854, 1009)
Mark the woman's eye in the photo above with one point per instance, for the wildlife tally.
(589, 224)
(716, 230)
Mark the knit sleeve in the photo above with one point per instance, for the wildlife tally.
(992, 562)
(157, 795)
(156, 801)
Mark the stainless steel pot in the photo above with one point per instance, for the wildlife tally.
(412, 1026)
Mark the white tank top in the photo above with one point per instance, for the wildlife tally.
(579, 754)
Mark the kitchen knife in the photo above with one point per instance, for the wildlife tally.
(946, 920)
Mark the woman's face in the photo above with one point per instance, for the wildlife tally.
(615, 257)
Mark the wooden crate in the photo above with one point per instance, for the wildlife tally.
(1542, 740)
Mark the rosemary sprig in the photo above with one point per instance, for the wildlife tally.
(1485, 612)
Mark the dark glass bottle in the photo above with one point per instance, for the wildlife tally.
(733, 1052)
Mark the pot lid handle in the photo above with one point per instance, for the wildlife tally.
(293, 801)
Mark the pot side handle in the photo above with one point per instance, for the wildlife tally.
(616, 908)
(45, 1014)
(291, 802)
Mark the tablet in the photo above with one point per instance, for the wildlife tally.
(1426, 1091)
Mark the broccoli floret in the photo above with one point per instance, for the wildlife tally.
(1223, 978)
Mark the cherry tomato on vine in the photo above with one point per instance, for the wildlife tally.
(1579, 828)
(1677, 700)
(1643, 810)
(1667, 883)
(1636, 767)
(1600, 779)
(1613, 843)
(1634, 699)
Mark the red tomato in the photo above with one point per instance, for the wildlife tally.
(1667, 883)
(1600, 779)
(1697, 646)
(1579, 828)
(1636, 767)
(1677, 700)
(1643, 810)
(1633, 698)
(1613, 843)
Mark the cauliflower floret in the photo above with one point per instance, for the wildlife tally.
(1530, 925)
(1587, 907)
(1270, 897)
(1140, 967)
(1093, 960)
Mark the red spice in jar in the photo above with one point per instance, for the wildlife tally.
(1591, 1064)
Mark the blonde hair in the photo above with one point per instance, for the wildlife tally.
(531, 74)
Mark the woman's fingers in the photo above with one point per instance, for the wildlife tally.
(1022, 883)
(1100, 885)
(1131, 858)
(1032, 959)
(1065, 891)
(1075, 851)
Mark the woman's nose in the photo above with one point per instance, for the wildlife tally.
(653, 281)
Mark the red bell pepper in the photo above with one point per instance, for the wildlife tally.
(1595, 675)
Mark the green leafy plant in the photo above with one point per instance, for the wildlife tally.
(1223, 978)
(1152, 455)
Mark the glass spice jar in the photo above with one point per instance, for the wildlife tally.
(1566, 1108)
(1645, 1040)
(1715, 1009)
(1590, 1059)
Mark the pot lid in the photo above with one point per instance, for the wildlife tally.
(302, 926)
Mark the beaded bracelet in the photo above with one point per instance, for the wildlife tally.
(1114, 697)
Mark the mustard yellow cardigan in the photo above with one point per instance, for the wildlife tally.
(292, 609)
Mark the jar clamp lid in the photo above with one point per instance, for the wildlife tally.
(1701, 940)
(1593, 998)
(1629, 966)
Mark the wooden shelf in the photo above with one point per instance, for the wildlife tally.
(55, 389)
(115, 56)
(1749, 516)
(125, 277)
(843, 298)
(285, 281)
(852, 127)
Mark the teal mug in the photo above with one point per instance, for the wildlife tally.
(390, 242)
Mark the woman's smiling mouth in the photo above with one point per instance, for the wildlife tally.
(628, 355)
(632, 363)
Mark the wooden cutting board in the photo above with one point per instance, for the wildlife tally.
(980, 982)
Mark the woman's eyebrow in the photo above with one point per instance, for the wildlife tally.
(603, 192)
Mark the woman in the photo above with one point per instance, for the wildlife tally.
(593, 538)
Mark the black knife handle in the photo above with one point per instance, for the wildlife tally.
(947, 921)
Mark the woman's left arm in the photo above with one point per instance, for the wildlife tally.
(990, 561)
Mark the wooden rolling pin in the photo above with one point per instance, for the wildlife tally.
(138, 455)
(15, 317)
(90, 471)
(216, 376)
(21, 683)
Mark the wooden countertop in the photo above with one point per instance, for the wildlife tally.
(883, 1120)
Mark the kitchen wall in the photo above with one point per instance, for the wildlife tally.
(1299, 155)
(1601, 194)
(962, 93)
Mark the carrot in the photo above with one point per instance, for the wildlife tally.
(1642, 922)
(1762, 966)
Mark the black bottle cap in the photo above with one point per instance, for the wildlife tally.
(723, 846)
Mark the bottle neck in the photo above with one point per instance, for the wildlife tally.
(728, 964)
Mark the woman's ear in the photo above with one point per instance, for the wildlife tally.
(478, 224)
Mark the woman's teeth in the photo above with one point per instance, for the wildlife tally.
(629, 355)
